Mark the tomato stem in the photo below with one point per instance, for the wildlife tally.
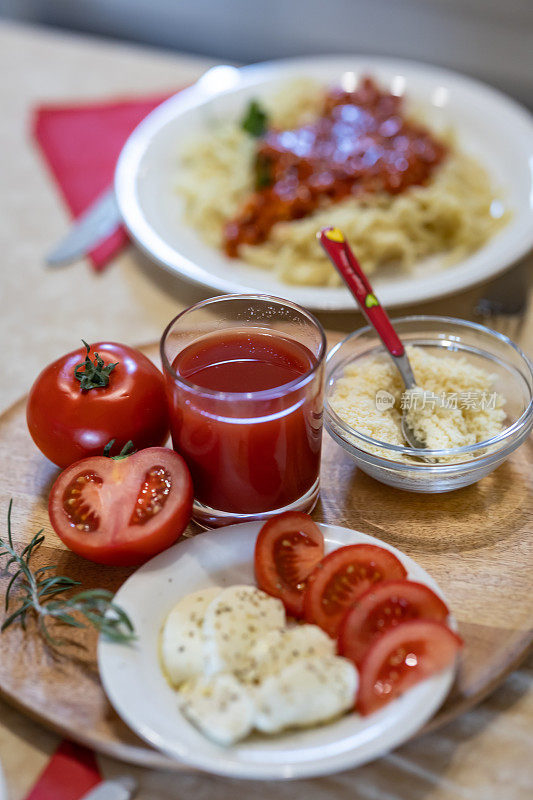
(93, 374)
(126, 451)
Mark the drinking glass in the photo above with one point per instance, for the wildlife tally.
(252, 454)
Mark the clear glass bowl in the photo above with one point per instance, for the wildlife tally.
(485, 348)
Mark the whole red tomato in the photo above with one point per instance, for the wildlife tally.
(88, 397)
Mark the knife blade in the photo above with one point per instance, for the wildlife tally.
(117, 789)
(92, 227)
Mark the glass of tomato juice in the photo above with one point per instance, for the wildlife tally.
(244, 377)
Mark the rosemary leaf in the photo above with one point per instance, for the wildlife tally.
(54, 585)
(39, 571)
(21, 610)
(9, 587)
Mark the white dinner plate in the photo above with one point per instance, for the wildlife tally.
(136, 687)
(3, 787)
(489, 125)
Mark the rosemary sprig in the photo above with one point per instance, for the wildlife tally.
(39, 590)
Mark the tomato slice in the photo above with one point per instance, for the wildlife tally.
(402, 657)
(122, 511)
(342, 577)
(384, 606)
(287, 549)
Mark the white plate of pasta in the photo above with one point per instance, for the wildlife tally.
(428, 173)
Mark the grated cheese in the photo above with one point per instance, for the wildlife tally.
(455, 404)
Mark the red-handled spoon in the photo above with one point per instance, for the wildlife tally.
(339, 251)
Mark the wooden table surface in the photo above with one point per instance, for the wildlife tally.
(484, 755)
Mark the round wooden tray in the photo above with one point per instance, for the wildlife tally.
(476, 542)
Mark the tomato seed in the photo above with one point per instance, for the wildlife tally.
(79, 513)
(152, 495)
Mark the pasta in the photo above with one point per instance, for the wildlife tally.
(451, 216)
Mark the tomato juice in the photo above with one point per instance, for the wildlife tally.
(246, 415)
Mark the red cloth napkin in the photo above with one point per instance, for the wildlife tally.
(81, 144)
(71, 772)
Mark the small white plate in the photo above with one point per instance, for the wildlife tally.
(135, 685)
(489, 125)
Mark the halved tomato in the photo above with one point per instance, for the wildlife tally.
(287, 549)
(342, 577)
(122, 511)
(403, 656)
(384, 606)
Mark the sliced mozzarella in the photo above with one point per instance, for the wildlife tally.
(304, 693)
(181, 637)
(220, 707)
(233, 622)
(278, 648)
